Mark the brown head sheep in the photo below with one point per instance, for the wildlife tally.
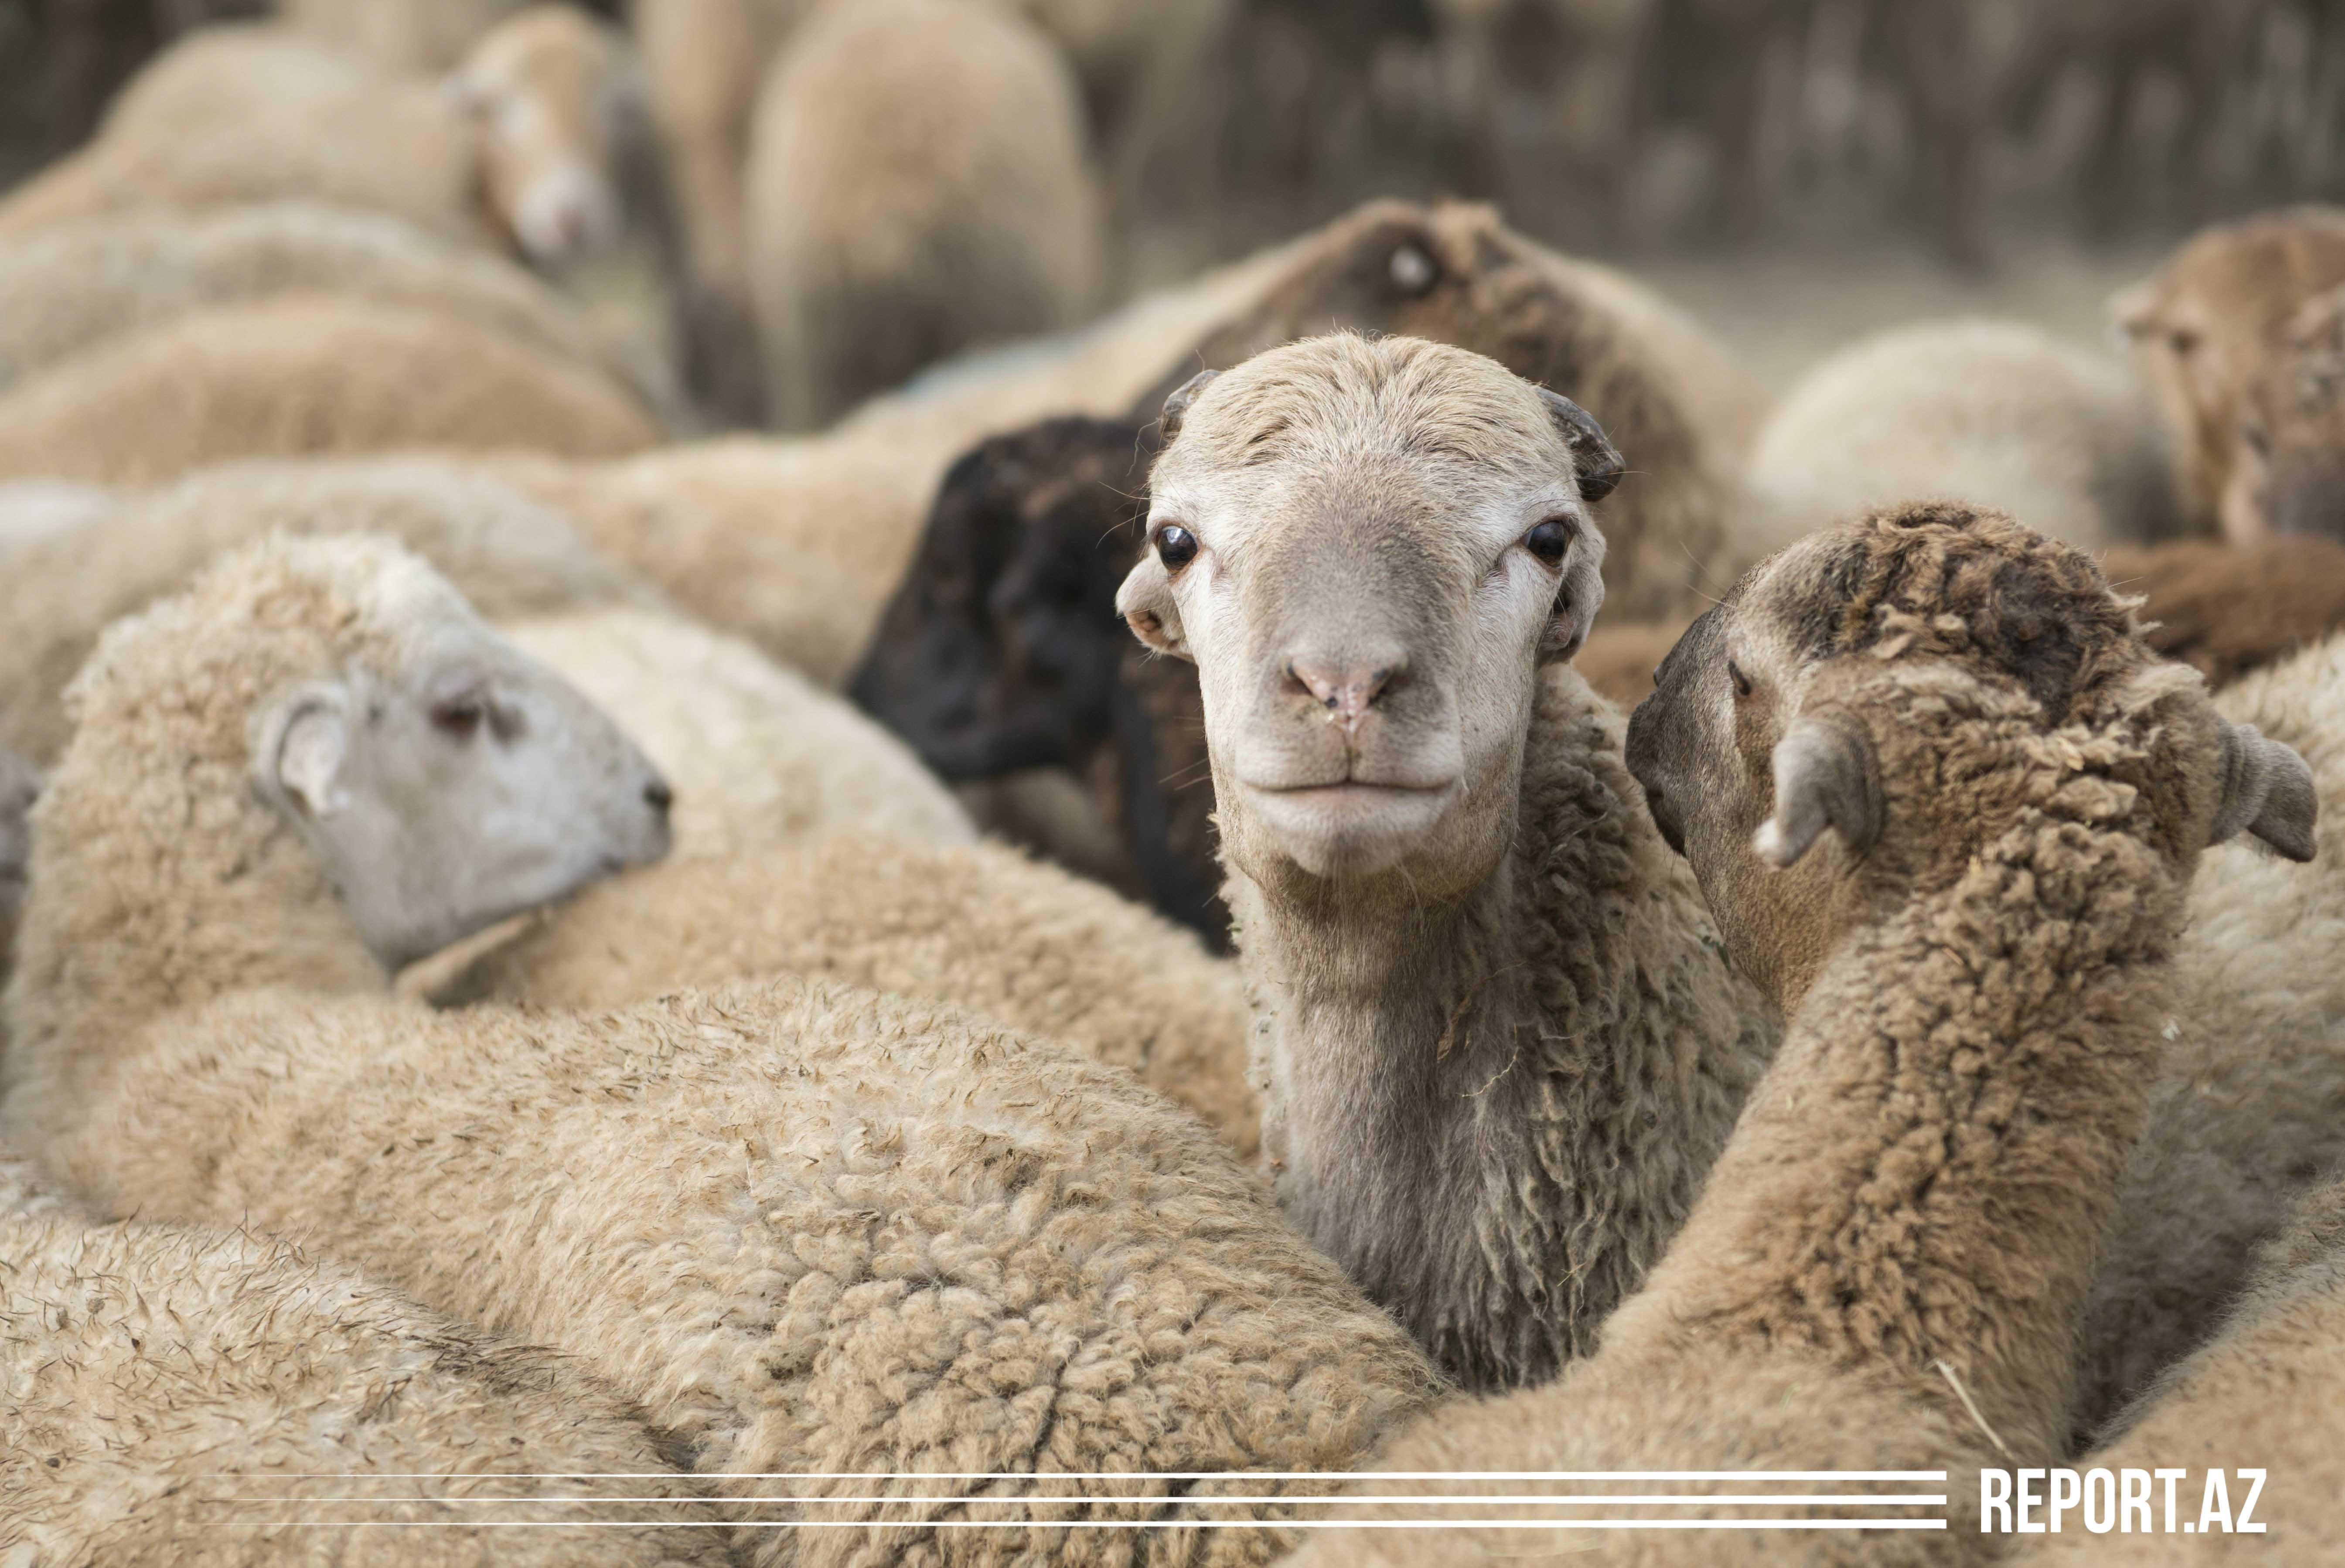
(189, 1397)
(513, 558)
(2210, 321)
(826, 1239)
(1990, 414)
(1985, 798)
(1498, 1041)
(918, 182)
(299, 375)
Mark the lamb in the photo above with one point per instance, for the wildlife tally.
(2265, 1388)
(917, 183)
(1994, 413)
(2228, 609)
(1965, 884)
(515, 560)
(2209, 322)
(757, 755)
(1498, 1041)
(72, 286)
(814, 1232)
(979, 928)
(180, 1397)
(302, 374)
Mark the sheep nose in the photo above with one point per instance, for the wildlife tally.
(1348, 689)
(658, 796)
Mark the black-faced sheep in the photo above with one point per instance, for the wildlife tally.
(1498, 1041)
(1981, 799)
(183, 1398)
(818, 1234)
(918, 182)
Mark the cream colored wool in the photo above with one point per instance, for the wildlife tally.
(304, 375)
(511, 556)
(399, 35)
(755, 753)
(2269, 1390)
(918, 182)
(809, 1229)
(179, 1397)
(1990, 414)
(70, 287)
(980, 928)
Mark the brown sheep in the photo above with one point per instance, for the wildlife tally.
(2228, 609)
(2209, 324)
(1979, 799)
(300, 375)
(917, 183)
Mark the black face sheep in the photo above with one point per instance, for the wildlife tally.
(1497, 1039)
(1984, 798)
(817, 1233)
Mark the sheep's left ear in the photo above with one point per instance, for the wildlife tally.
(1594, 461)
(303, 745)
(1826, 777)
(1176, 407)
(2264, 788)
(1147, 606)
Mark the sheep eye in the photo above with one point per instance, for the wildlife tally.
(1550, 541)
(1175, 546)
(1741, 682)
(461, 718)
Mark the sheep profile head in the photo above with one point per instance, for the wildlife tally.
(1866, 708)
(556, 103)
(1369, 548)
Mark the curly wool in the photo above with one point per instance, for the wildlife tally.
(511, 556)
(979, 928)
(179, 1397)
(305, 374)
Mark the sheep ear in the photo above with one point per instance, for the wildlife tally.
(2265, 788)
(1176, 407)
(1593, 457)
(1147, 606)
(306, 743)
(1826, 777)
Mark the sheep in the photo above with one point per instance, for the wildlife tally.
(979, 928)
(179, 1396)
(917, 183)
(2266, 1388)
(1994, 413)
(755, 753)
(1945, 800)
(1498, 1043)
(2287, 464)
(405, 37)
(300, 374)
(2228, 609)
(74, 285)
(814, 1232)
(513, 558)
(2209, 322)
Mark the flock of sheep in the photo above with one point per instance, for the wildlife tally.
(1051, 967)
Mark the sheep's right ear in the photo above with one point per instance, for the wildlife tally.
(1826, 777)
(2264, 788)
(1146, 604)
(302, 749)
(1594, 459)
(1176, 407)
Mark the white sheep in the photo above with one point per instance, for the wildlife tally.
(1989, 414)
(1498, 1041)
(918, 182)
(184, 1396)
(513, 558)
(823, 1236)
(301, 374)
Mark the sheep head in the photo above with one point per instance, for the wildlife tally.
(1868, 706)
(1369, 548)
(557, 104)
(1000, 647)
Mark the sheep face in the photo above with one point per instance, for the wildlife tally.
(455, 782)
(551, 100)
(1752, 745)
(1000, 648)
(1369, 548)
